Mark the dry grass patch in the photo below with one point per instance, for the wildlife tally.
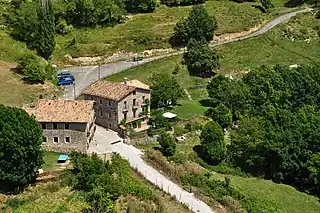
(15, 92)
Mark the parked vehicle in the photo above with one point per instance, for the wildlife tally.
(138, 58)
(64, 81)
(65, 73)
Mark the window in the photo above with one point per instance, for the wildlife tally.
(100, 101)
(66, 126)
(109, 114)
(125, 116)
(109, 103)
(109, 125)
(100, 113)
(44, 140)
(134, 113)
(125, 105)
(43, 126)
(143, 98)
(55, 126)
(55, 139)
(67, 139)
(134, 102)
(134, 93)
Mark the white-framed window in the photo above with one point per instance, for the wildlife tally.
(55, 140)
(109, 103)
(44, 140)
(55, 126)
(100, 113)
(100, 101)
(109, 114)
(109, 125)
(44, 126)
(67, 139)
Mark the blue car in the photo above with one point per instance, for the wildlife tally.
(64, 74)
(65, 81)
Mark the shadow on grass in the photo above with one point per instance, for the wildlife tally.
(24, 78)
(260, 8)
(206, 102)
(8, 188)
(293, 3)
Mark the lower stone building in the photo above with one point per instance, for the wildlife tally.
(67, 125)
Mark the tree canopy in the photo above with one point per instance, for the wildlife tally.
(20, 147)
(212, 142)
(199, 25)
(168, 146)
(200, 58)
(165, 90)
(278, 120)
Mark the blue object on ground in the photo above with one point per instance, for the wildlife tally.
(63, 158)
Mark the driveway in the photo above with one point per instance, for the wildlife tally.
(86, 75)
(133, 155)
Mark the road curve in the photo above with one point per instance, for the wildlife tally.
(86, 75)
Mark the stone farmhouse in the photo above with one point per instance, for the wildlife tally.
(120, 106)
(67, 125)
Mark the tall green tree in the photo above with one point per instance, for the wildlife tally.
(45, 37)
(199, 25)
(165, 90)
(220, 114)
(200, 58)
(212, 143)
(168, 146)
(20, 147)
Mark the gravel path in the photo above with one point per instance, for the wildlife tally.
(133, 154)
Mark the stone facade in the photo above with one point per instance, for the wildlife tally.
(67, 137)
(111, 113)
(68, 125)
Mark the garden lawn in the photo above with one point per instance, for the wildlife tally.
(50, 160)
(153, 30)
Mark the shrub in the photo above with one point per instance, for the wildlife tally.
(168, 146)
(32, 67)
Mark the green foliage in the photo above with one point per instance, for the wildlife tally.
(175, 3)
(44, 40)
(199, 25)
(140, 6)
(165, 90)
(168, 146)
(32, 67)
(24, 21)
(104, 183)
(220, 114)
(278, 121)
(89, 12)
(20, 147)
(266, 5)
(200, 58)
(212, 142)
(158, 122)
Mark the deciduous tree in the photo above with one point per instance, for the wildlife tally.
(165, 90)
(20, 147)
(212, 142)
(200, 58)
(199, 25)
(168, 146)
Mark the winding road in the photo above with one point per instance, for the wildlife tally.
(87, 75)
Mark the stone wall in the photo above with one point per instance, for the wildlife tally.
(79, 136)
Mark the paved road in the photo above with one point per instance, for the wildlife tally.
(132, 154)
(87, 75)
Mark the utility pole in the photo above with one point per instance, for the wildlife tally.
(74, 91)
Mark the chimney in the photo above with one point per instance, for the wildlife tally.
(125, 80)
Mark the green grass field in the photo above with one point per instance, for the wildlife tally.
(50, 160)
(286, 44)
(152, 30)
